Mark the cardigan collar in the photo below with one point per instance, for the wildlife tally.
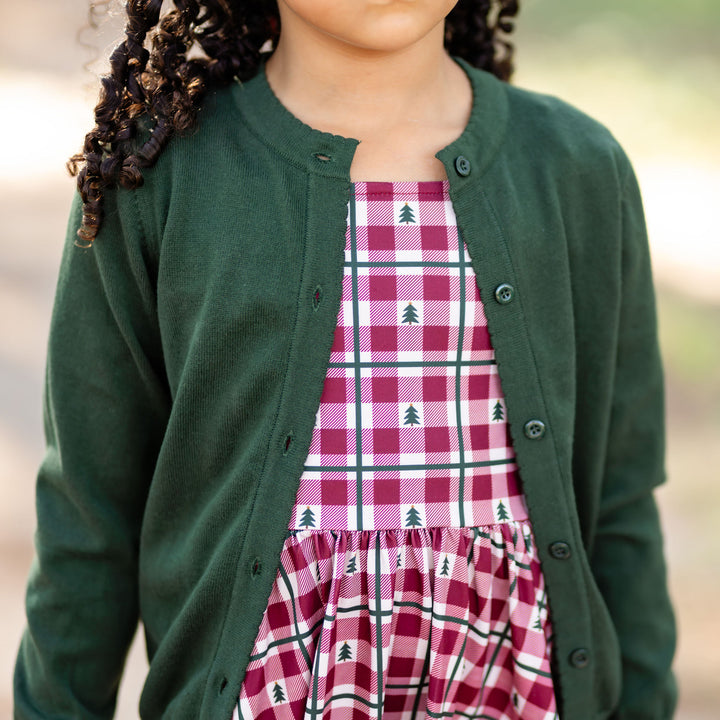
(331, 155)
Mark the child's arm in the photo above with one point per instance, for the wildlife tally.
(105, 407)
(627, 556)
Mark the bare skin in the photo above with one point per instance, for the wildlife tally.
(374, 70)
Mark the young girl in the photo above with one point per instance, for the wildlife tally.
(353, 390)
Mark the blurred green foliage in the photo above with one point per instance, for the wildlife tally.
(648, 69)
(699, 15)
(675, 27)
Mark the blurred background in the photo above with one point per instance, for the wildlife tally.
(648, 69)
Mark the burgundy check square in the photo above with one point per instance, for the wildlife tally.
(409, 585)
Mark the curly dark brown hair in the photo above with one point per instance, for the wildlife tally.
(161, 71)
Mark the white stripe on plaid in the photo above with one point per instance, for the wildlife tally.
(412, 368)
(459, 628)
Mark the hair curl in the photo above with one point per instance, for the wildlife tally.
(161, 71)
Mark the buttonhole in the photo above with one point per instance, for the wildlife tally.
(322, 157)
(256, 567)
(288, 442)
(317, 296)
(223, 685)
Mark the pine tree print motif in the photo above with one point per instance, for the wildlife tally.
(352, 566)
(411, 416)
(308, 518)
(410, 315)
(445, 569)
(278, 694)
(528, 541)
(502, 513)
(407, 215)
(541, 606)
(412, 519)
(498, 412)
(345, 652)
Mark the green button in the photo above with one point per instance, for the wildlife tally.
(534, 429)
(580, 658)
(462, 165)
(504, 293)
(560, 550)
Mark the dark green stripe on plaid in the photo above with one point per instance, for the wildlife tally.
(378, 705)
(450, 713)
(313, 709)
(378, 627)
(458, 376)
(298, 637)
(423, 682)
(503, 637)
(391, 468)
(346, 696)
(405, 264)
(415, 363)
(456, 667)
(288, 585)
(510, 556)
(291, 639)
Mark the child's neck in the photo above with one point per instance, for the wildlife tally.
(402, 106)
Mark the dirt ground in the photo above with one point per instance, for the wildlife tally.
(41, 68)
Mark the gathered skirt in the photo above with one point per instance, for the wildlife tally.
(400, 624)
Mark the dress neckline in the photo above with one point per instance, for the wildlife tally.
(401, 190)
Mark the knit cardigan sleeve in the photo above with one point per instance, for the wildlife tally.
(627, 554)
(105, 408)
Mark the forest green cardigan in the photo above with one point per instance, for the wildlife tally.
(186, 361)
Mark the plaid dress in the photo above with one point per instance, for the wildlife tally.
(409, 584)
